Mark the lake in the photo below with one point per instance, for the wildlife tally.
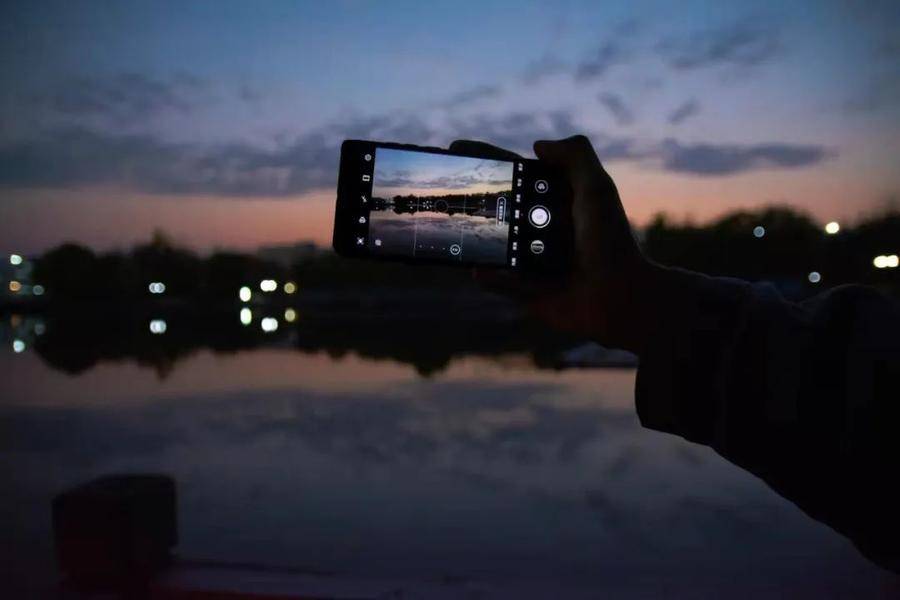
(488, 468)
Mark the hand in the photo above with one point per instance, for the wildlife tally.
(609, 293)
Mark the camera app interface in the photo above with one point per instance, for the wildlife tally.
(442, 207)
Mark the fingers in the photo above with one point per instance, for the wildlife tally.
(574, 155)
(599, 221)
(476, 148)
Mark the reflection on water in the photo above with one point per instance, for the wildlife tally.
(490, 468)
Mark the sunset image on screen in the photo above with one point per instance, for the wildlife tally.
(439, 206)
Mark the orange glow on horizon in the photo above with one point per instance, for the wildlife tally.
(111, 219)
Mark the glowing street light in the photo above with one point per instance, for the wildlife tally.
(759, 231)
(814, 277)
(290, 315)
(246, 316)
(290, 287)
(15, 287)
(269, 324)
(890, 261)
(268, 285)
(38, 290)
(157, 287)
(15, 259)
(158, 327)
(245, 294)
(18, 346)
(832, 228)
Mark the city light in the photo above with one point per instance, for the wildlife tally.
(290, 287)
(890, 261)
(290, 315)
(157, 326)
(268, 285)
(246, 316)
(157, 287)
(15, 259)
(759, 231)
(269, 324)
(15, 286)
(832, 228)
(245, 294)
(18, 346)
(40, 328)
(814, 277)
(38, 290)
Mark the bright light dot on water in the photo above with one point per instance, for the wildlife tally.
(892, 261)
(157, 326)
(290, 287)
(157, 287)
(880, 261)
(15, 259)
(15, 286)
(269, 324)
(759, 231)
(290, 315)
(38, 290)
(246, 316)
(832, 228)
(245, 294)
(815, 277)
(268, 285)
(18, 346)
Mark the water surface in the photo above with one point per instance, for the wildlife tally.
(490, 470)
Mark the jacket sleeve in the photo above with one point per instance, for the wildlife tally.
(805, 396)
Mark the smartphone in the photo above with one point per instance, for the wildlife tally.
(430, 205)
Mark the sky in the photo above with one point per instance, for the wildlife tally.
(221, 122)
(400, 172)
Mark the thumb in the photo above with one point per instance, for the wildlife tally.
(599, 222)
(574, 156)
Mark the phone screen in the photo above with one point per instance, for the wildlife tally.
(422, 204)
(440, 206)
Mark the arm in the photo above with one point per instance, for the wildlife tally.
(805, 396)
(802, 395)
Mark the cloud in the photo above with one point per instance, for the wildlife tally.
(486, 173)
(545, 66)
(741, 44)
(470, 95)
(608, 55)
(880, 92)
(617, 108)
(515, 131)
(77, 157)
(123, 97)
(728, 159)
(684, 112)
(249, 94)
